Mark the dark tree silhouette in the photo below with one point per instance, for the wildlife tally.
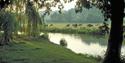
(114, 10)
(4, 3)
(116, 34)
(5, 23)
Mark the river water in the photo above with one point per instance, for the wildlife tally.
(83, 43)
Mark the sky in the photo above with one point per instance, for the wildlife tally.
(67, 6)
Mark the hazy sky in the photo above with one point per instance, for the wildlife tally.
(67, 6)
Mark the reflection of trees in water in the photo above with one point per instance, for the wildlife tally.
(89, 39)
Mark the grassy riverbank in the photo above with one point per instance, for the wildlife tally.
(40, 51)
(70, 30)
(73, 28)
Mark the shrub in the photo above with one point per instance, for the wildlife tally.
(90, 25)
(75, 25)
(67, 25)
(51, 25)
(63, 42)
(80, 24)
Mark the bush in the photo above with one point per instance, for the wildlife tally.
(75, 25)
(51, 25)
(80, 24)
(67, 25)
(63, 42)
(90, 25)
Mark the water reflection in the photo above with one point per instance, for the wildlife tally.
(85, 44)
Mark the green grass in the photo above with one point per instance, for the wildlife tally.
(72, 30)
(79, 29)
(40, 51)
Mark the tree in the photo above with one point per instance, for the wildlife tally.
(4, 3)
(116, 34)
(5, 22)
(31, 8)
(108, 8)
(33, 18)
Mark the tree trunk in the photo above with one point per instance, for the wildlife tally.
(116, 34)
(35, 28)
(7, 36)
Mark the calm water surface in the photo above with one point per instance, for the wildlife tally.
(85, 44)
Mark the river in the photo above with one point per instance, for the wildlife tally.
(82, 43)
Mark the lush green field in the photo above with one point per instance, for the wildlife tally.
(71, 25)
(40, 51)
(88, 28)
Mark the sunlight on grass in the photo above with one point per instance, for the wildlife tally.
(41, 52)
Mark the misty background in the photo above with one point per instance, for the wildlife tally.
(92, 15)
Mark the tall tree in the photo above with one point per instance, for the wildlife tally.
(5, 22)
(33, 19)
(7, 25)
(116, 34)
(114, 10)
